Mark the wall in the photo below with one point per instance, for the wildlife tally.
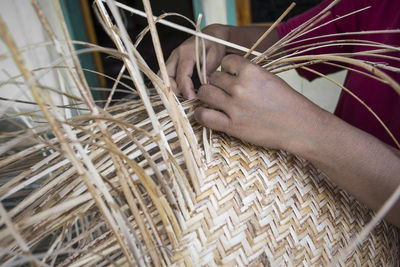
(320, 91)
(26, 29)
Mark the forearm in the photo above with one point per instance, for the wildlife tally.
(356, 161)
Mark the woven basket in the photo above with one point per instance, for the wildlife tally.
(255, 207)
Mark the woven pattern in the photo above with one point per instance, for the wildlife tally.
(255, 206)
(270, 207)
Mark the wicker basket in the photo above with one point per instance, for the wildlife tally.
(255, 207)
(123, 186)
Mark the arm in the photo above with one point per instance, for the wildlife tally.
(182, 60)
(356, 161)
(253, 105)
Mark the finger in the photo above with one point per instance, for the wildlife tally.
(233, 64)
(214, 96)
(171, 65)
(188, 91)
(211, 62)
(222, 80)
(174, 87)
(213, 119)
(183, 78)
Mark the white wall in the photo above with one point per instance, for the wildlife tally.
(320, 91)
(214, 11)
(26, 29)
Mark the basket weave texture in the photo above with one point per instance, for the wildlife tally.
(267, 207)
(256, 207)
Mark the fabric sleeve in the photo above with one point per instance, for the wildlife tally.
(348, 24)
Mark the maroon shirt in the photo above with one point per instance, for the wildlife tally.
(383, 100)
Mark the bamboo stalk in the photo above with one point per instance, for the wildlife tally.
(96, 187)
(270, 29)
(68, 150)
(114, 87)
(171, 104)
(358, 63)
(333, 20)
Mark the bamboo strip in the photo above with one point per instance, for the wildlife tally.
(270, 29)
(106, 168)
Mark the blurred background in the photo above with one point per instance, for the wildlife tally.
(82, 25)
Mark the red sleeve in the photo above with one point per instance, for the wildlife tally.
(348, 24)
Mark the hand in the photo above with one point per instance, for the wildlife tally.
(182, 60)
(256, 106)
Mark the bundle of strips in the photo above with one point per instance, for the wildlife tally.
(141, 183)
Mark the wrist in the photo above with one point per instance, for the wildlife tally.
(310, 133)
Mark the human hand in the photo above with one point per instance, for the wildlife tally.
(254, 105)
(182, 60)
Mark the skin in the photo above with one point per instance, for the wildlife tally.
(247, 102)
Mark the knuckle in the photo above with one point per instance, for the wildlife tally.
(248, 68)
(226, 59)
(173, 56)
(174, 52)
(234, 59)
(214, 76)
(200, 115)
(236, 89)
(202, 92)
(230, 56)
(180, 50)
(186, 46)
(256, 70)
